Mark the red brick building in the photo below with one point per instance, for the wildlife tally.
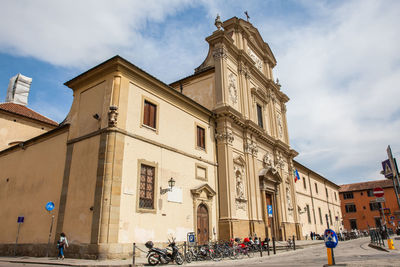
(360, 209)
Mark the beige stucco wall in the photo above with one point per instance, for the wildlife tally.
(29, 179)
(308, 196)
(15, 128)
(81, 187)
(171, 148)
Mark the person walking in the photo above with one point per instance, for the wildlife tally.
(61, 245)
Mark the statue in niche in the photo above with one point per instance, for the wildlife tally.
(280, 127)
(232, 88)
(239, 185)
(289, 202)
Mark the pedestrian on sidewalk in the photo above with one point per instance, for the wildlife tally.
(61, 245)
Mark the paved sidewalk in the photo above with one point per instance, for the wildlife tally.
(140, 261)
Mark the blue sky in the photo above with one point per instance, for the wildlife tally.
(338, 61)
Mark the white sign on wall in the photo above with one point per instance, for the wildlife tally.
(175, 195)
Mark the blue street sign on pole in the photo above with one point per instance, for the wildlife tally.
(191, 239)
(387, 169)
(20, 219)
(269, 209)
(330, 238)
(49, 206)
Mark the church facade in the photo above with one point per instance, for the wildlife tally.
(219, 137)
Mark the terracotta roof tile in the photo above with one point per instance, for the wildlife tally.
(366, 185)
(26, 112)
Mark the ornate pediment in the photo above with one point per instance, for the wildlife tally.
(270, 174)
(206, 189)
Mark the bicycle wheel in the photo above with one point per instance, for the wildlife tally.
(189, 256)
(249, 252)
(179, 258)
(239, 253)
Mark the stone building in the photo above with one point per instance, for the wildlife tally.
(221, 134)
(317, 199)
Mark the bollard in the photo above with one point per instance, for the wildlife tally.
(184, 249)
(294, 244)
(134, 254)
(268, 247)
(273, 245)
(390, 243)
(260, 247)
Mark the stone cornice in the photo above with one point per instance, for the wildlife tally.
(237, 118)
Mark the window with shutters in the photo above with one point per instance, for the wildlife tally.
(350, 208)
(150, 114)
(147, 186)
(308, 213)
(320, 216)
(201, 138)
(304, 183)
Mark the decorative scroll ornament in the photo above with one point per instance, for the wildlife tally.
(279, 162)
(268, 163)
(220, 53)
(251, 147)
(280, 126)
(226, 136)
(257, 60)
(232, 88)
(112, 116)
(243, 69)
(273, 97)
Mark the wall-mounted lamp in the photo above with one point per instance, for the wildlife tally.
(301, 211)
(171, 184)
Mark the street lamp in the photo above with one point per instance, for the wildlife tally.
(171, 184)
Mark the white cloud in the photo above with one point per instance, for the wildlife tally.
(342, 74)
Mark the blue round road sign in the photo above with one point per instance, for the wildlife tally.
(49, 206)
(330, 238)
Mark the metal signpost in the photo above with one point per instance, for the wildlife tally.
(49, 208)
(19, 221)
(393, 166)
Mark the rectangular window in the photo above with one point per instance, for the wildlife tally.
(201, 137)
(374, 206)
(370, 193)
(304, 183)
(353, 224)
(150, 114)
(326, 191)
(308, 213)
(260, 116)
(316, 188)
(348, 195)
(320, 216)
(335, 196)
(146, 194)
(330, 217)
(350, 208)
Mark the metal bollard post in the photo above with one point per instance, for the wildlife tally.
(268, 247)
(273, 245)
(134, 254)
(260, 247)
(294, 244)
(184, 250)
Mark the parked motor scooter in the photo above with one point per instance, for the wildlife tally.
(157, 255)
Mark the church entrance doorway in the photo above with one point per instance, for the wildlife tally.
(202, 224)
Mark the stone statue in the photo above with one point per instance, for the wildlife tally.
(239, 185)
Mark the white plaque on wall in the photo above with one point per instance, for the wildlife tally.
(175, 195)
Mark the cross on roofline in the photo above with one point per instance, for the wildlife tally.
(247, 15)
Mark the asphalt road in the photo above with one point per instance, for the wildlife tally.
(350, 253)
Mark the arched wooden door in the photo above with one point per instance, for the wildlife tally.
(202, 224)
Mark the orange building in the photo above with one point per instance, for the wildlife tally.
(360, 209)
